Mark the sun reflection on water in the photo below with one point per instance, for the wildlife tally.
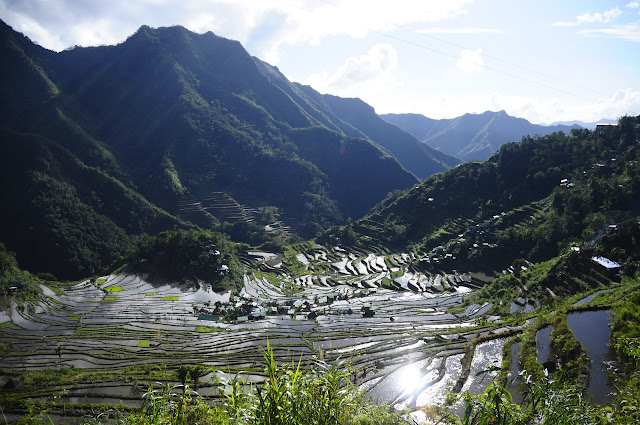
(409, 378)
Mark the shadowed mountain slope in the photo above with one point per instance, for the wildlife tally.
(167, 115)
(355, 118)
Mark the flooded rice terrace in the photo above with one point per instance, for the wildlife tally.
(405, 346)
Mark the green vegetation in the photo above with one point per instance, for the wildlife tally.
(182, 254)
(206, 329)
(12, 278)
(8, 325)
(94, 182)
(170, 298)
(515, 201)
(558, 395)
(324, 395)
(114, 289)
(546, 402)
(92, 171)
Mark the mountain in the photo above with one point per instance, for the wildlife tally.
(355, 118)
(530, 200)
(589, 125)
(471, 136)
(102, 144)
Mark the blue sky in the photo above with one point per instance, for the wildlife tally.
(541, 60)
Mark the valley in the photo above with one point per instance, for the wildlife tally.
(408, 337)
(189, 237)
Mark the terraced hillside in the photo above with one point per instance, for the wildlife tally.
(407, 334)
(122, 322)
(526, 201)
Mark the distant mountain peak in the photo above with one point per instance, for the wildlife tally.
(470, 136)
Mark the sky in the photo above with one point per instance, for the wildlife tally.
(544, 60)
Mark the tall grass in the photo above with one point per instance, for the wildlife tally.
(323, 394)
(547, 401)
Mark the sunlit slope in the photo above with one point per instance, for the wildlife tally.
(202, 101)
(516, 198)
(471, 136)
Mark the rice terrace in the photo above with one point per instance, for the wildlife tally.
(123, 323)
(190, 237)
(408, 336)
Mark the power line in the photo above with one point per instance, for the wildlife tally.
(504, 61)
(483, 66)
(509, 74)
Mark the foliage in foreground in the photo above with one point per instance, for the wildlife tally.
(323, 395)
(558, 399)
(549, 401)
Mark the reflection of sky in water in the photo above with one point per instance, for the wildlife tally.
(486, 354)
(436, 393)
(402, 381)
(592, 330)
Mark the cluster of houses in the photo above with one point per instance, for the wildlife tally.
(247, 308)
(214, 256)
(477, 236)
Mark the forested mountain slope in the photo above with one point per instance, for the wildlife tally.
(355, 118)
(517, 203)
(165, 116)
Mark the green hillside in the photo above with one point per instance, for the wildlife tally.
(514, 204)
(354, 118)
(120, 138)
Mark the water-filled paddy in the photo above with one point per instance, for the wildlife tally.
(402, 354)
(543, 344)
(592, 330)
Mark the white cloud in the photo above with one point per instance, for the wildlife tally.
(470, 60)
(369, 74)
(630, 32)
(299, 21)
(95, 33)
(633, 5)
(605, 17)
(437, 30)
(591, 18)
(546, 110)
(44, 37)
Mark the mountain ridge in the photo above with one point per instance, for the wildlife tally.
(168, 114)
(470, 136)
(355, 118)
